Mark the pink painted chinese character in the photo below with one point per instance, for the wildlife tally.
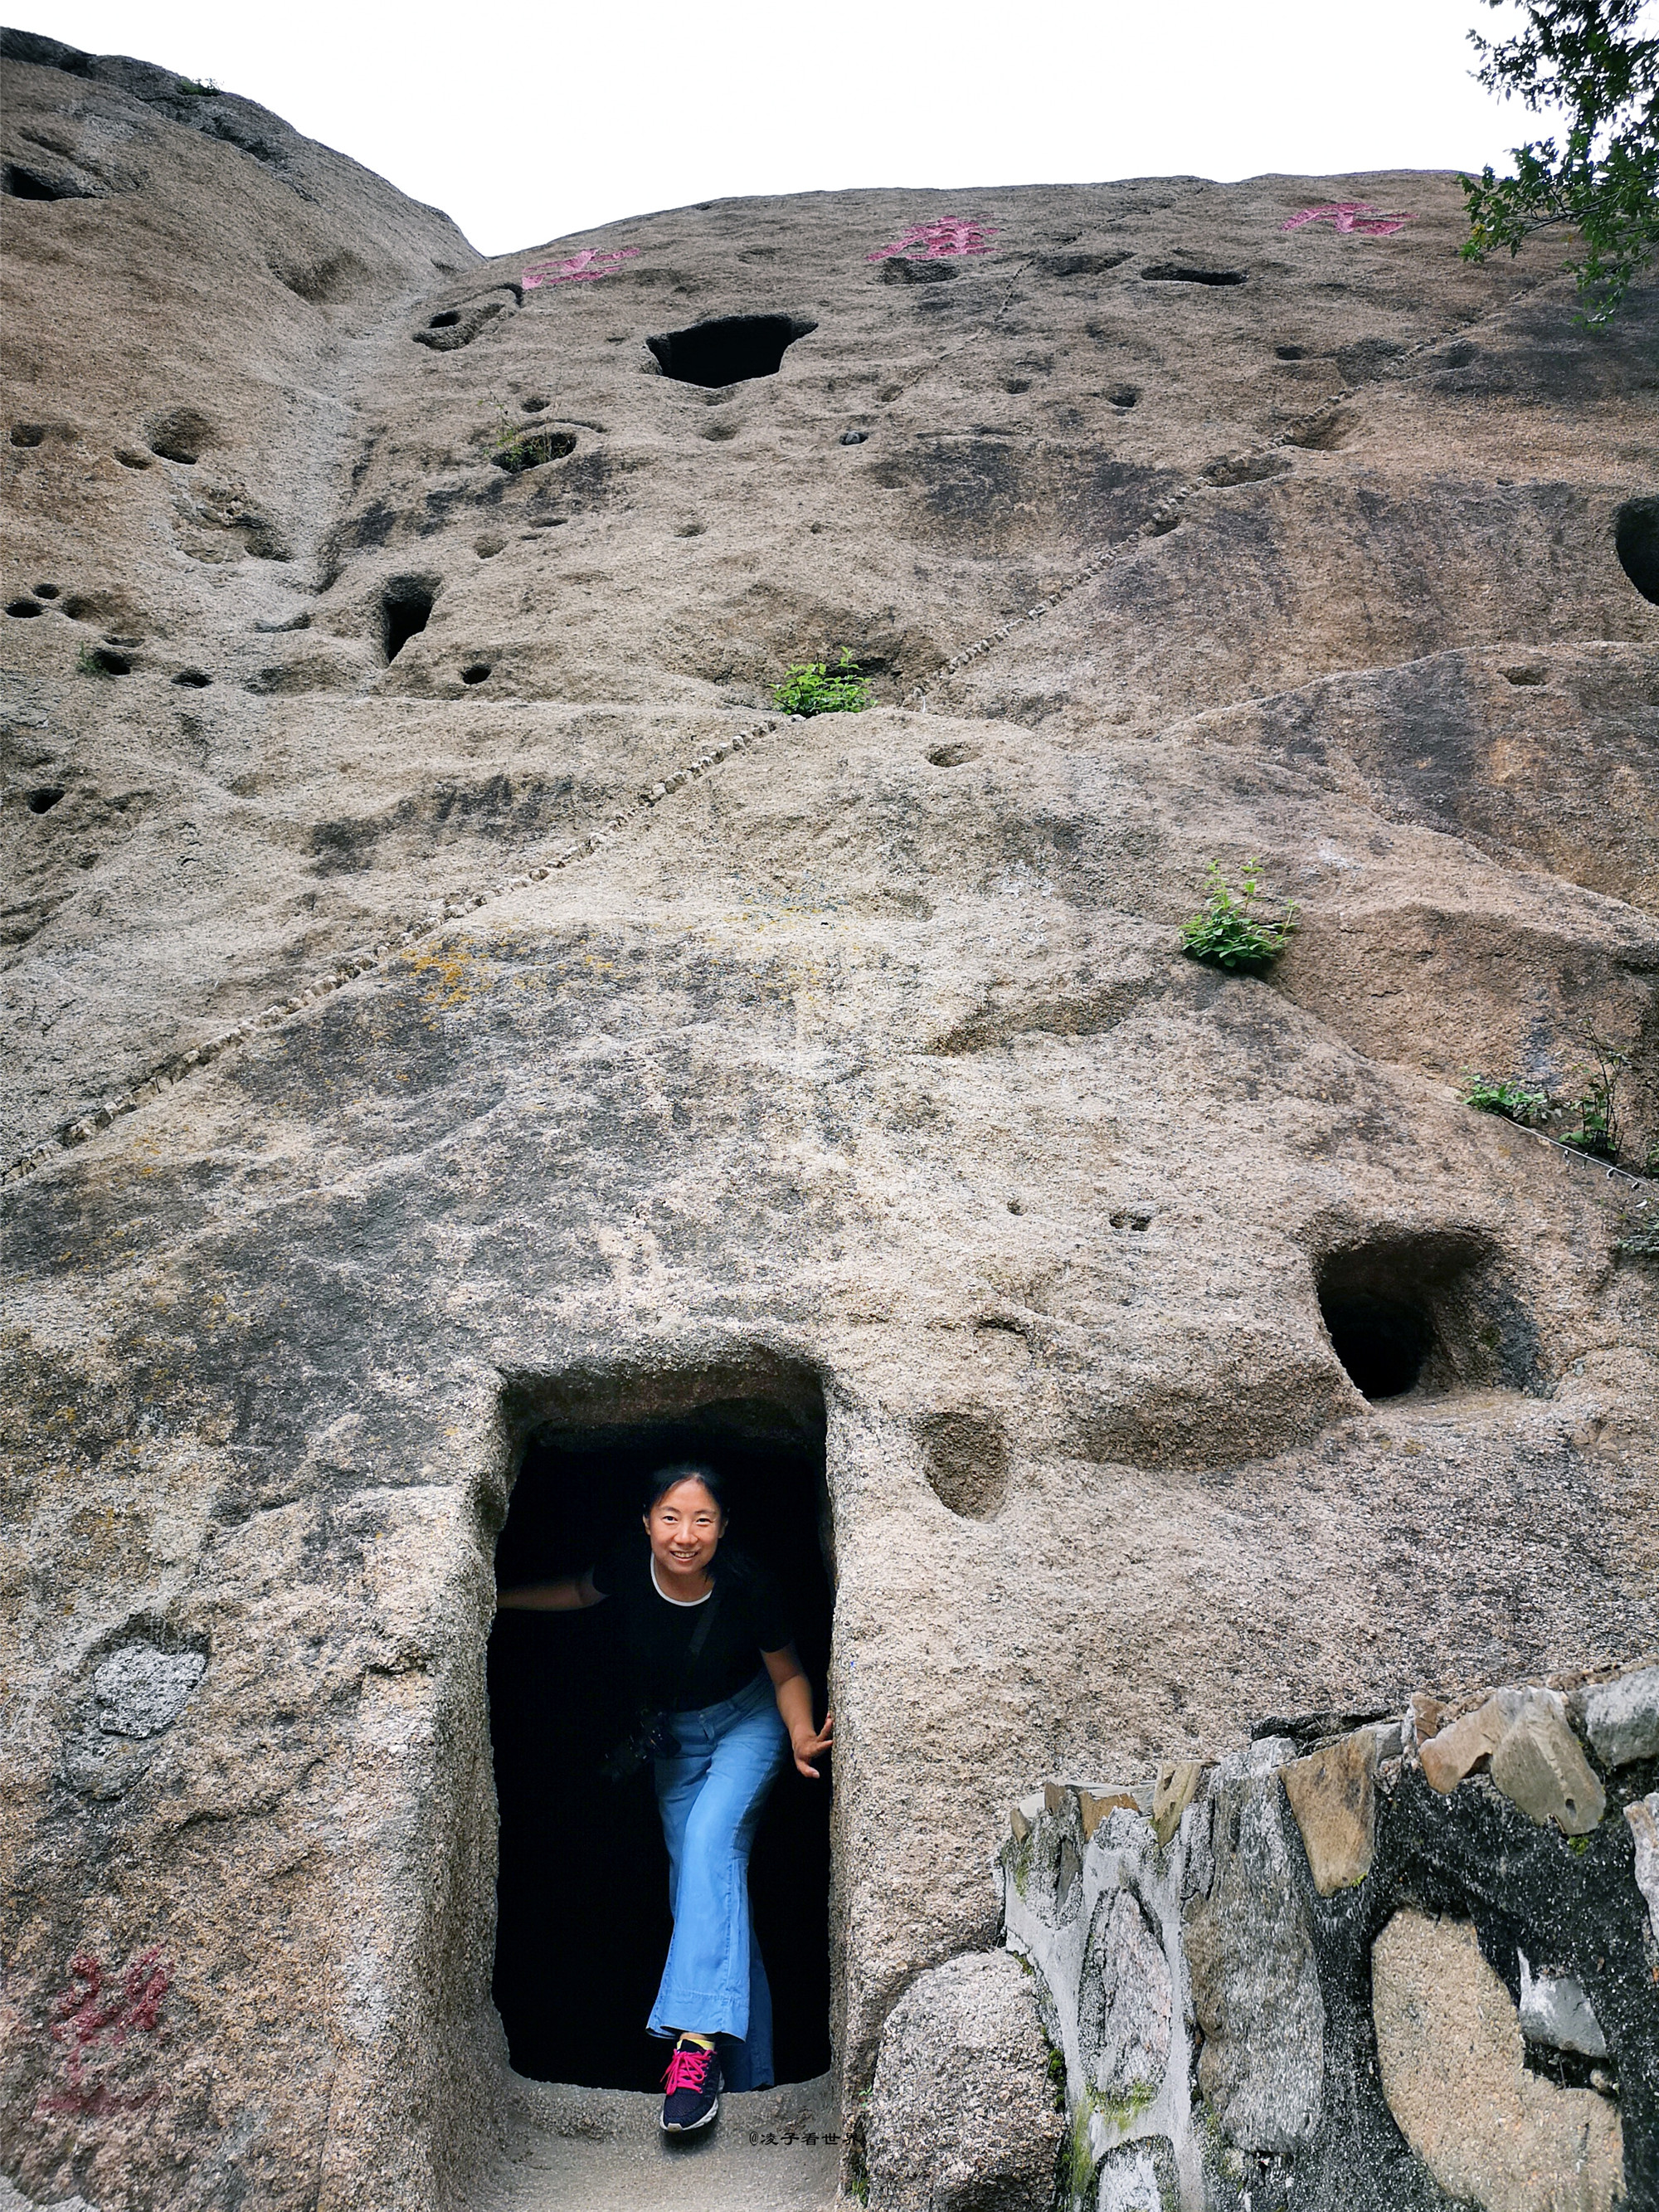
(578, 269)
(944, 240)
(1353, 216)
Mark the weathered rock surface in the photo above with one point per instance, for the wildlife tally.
(856, 1066)
(962, 2114)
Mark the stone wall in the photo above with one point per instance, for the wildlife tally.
(1408, 1964)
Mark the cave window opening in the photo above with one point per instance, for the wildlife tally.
(729, 349)
(1424, 1311)
(582, 1917)
(404, 610)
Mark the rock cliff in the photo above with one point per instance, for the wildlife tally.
(447, 999)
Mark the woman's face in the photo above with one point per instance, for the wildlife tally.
(685, 1527)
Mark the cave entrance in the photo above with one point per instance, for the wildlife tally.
(1426, 1311)
(405, 609)
(582, 1922)
(729, 349)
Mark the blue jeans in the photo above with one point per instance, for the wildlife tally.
(710, 1796)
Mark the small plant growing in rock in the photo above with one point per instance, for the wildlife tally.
(812, 687)
(1225, 932)
(1508, 1097)
(1599, 1131)
(90, 663)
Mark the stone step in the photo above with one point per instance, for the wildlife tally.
(601, 2150)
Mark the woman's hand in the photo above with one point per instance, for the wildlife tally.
(810, 1743)
(795, 1696)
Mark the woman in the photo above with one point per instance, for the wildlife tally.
(696, 1628)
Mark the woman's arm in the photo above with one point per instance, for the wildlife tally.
(795, 1696)
(572, 1596)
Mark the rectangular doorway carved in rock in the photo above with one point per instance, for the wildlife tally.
(583, 1921)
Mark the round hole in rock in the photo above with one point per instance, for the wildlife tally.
(22, 609)
(129, 458)
(953, 754)
(965, 1452)
(534, 406)
(855, 437)
(46, 591)
(184, 436)
(582, 1920)
(193, 679)
(1177, 272)
(1124, 395)
(477, 673)
(727, 349)
(1636, 541)
(29, 433)
(446, 321)
(405, 607)
(108, 662)
(1290, 353)
(42, 800)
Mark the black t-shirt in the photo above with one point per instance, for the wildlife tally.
(749, 1616)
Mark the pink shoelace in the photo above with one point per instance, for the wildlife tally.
(687, 2069)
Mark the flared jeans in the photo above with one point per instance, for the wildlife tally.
(710, 1794)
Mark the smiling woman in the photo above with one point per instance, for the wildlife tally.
(717, 1705)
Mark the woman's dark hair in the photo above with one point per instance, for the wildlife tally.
(685, 1470)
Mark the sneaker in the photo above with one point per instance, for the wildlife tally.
(692, 2086)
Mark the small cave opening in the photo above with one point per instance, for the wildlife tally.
(193, 679)
(17, 183)
(1177, 272)
(42, 800)
(1422, 1311)
(476, 671)
(1636, 541)
(21, 609)
(406, 607)
(582, 1912)
(728, 350)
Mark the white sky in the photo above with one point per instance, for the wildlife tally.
(526, 123)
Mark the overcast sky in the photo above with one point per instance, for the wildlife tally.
(528, 123)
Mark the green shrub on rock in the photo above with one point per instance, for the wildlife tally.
(812, 687)
(1508, 1097)
(1225, 933)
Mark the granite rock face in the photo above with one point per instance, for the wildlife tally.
(962, 2115)
(443, 996)
(1468, 2020)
